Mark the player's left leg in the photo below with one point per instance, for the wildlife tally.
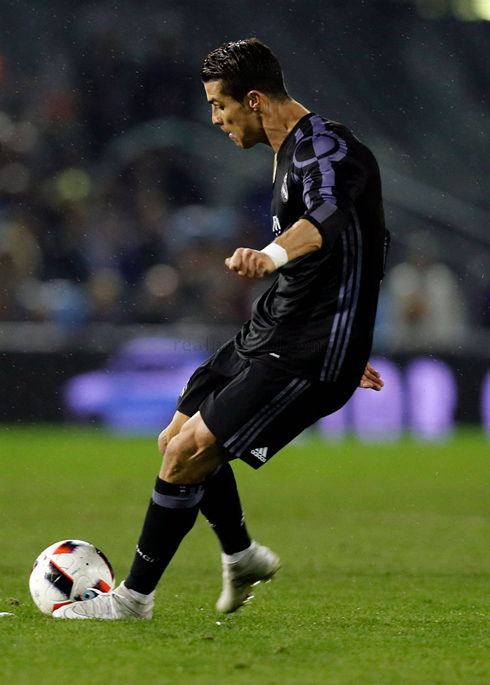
(189, 458)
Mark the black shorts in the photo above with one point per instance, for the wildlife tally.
(254, 409)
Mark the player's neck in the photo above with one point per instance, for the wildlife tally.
(279, 119)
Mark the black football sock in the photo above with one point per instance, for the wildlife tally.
(171, 514)
(221, 506)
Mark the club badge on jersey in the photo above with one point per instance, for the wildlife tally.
(284, 189)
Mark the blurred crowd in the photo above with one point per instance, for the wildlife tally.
(80, 244)
(422, 304)
(144, 245)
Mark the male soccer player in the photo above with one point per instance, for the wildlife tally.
(305, 348)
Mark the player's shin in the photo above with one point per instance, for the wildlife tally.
(221, 506)
(171, 514)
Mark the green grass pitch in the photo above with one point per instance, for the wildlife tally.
(385, 579)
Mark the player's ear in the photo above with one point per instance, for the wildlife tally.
(254, 100)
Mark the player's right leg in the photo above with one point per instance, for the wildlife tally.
(223, 510)
(220, 504)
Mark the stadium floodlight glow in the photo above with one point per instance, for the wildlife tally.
(482, 9)
(466, 10)
(472, 10)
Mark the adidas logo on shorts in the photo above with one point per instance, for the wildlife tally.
(260, 453)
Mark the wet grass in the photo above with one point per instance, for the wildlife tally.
(385, 579)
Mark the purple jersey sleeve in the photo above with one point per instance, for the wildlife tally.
(316, 167)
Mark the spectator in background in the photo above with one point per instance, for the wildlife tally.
(424, 300)
(83, 241)
(20, 261)
(105, 294)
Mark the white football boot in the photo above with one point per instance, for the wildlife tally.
(118, 603)
(258, 563)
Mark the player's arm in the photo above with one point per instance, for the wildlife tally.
(325, 217)
(306, 235)
(301, 238)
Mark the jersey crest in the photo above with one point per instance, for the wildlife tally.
(284, 189)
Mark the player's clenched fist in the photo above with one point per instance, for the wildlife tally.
(251, 263)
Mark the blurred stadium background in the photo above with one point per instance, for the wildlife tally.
(119, 201)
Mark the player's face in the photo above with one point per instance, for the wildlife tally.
(236, 119)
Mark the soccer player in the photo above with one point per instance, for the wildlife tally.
(305, 348)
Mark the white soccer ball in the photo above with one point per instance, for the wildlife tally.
(67, 572)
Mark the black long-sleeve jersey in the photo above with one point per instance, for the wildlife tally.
(317, 318)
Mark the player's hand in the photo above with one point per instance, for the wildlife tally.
(371, 378)
(251, 263)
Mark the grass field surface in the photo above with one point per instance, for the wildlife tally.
(385, 579)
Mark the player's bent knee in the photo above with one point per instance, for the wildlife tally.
(190, 455)
(175, 462)
(173, 429)
(163, 441)
(201, 433)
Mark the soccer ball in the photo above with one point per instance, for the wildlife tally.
(67, 572)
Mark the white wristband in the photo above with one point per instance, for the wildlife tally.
(277, 253)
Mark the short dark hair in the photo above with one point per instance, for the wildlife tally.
(245, 65)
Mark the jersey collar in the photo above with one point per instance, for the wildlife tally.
(291, 133)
